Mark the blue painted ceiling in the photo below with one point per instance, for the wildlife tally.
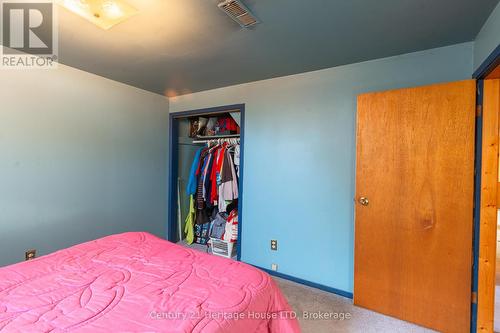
(177, 47)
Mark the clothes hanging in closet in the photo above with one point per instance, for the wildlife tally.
(213, 184)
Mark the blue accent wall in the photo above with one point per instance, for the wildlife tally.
(81, 157)
(488, 38)
(300, 157)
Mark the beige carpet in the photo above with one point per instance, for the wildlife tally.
(303, 298)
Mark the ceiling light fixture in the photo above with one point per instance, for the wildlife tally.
(103, 13)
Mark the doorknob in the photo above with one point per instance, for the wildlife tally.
(364, 201)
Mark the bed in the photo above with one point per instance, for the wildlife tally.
(136, 282)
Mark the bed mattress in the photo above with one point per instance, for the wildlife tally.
(136, 282)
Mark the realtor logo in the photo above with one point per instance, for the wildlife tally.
(29, 38)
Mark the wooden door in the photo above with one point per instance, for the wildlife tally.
(414, 211)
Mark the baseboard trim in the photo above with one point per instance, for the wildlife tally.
(307, 283)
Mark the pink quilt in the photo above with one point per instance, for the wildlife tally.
(136, 282)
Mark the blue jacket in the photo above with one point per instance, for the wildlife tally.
(192, 183)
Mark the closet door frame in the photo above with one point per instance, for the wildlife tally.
(173, 165)
(485, 225)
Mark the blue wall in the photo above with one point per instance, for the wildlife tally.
(300, 157)
(488, 38)
(81, 157)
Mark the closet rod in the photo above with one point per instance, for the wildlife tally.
(227, 139)
(215, 137)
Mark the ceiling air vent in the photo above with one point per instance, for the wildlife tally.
(238, 12)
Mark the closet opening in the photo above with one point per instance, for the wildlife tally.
(206, 179)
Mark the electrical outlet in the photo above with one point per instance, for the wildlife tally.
(274, 245)
(274, 267)
(30, 254)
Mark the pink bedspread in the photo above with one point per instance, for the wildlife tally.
(136, 282)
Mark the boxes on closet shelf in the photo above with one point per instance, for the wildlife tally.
(223, 248)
